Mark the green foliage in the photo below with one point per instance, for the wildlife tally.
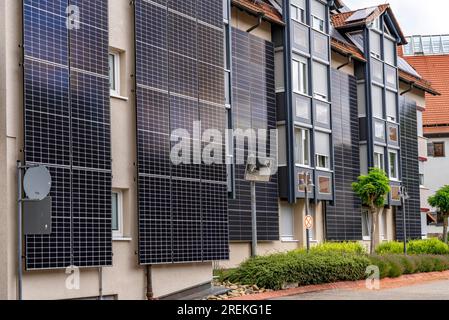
(372, 188)
(274, 271)
(428, 246)
(440, 200)
(340, 247)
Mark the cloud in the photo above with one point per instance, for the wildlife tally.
(415, 16)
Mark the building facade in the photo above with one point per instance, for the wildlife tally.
(104, 94)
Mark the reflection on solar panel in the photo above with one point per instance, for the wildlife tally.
(361, 14)
(179, 79)
(254, 106)
(67, 128)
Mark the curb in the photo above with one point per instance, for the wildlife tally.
(387, 283)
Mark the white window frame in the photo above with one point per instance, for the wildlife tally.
(396, 165)
(302, 81)
(300, 11)
(322, 27)
(326, 160)
(375, 130)
(287, 237)
(116, 74)
(304, 147)
(380, 157)
(118, 234)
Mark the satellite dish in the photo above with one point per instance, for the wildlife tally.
(37, 183)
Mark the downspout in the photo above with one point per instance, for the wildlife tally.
(411, 86)
(100, 283)
(346, 63)
(150, 294)
(260, 16)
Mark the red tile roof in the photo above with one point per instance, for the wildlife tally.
(436, 70)
(339, 20)
(259, 7)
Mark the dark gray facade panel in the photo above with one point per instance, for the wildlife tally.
(254, 106)
(183, 209)
(344, 218)
(410, 172)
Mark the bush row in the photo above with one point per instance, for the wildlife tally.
(340, 247)
(429, 246)
(393, 266)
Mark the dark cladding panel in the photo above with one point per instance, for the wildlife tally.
(344, 219)
(180, 82)
(410, 172)
(254, 106)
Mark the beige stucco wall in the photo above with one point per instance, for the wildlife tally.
(243, 21)
(338, 60)
(126, 278)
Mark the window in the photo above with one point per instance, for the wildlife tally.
(320, 45)
(377, 93)
(379, 130)
(366, 225)
(114, 73)
(287, 222)
(376, 24)
(419, 124)
(393, 165)
(320, 80)
(302, 108)
(439, 150)
(421, 179)
(298, 12)
(375, 44)
(318, 15)
(117, 214)
(379, 158)
(302, 179)
(391, 106)
(393, 134)
(322, 113)
(377, 71)
(390, 51)
(395, 193)
(302, 145)
(300, 76)
(391, 76)
(301, 36)
(322, 161)
(324, 185)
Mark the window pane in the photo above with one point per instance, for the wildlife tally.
(320, 46)
(301, 36)
(379, 160)
(322, 113)
(302, 147)
(377, 70)
(375, 43)
(324, 185)
(393, 165)
(391, 77)
(322, 161)
(366, 224)
(302, 109)
(318, 10)
(300, 76)
(112, 71)
(377, 102)
(391, 106)
(379, 128)
(393, 134)
(115, 225)
(390, 51)
(320, 80)
(318, 24)
(438, 149)
(322, 143)
(287, 221)
(396, 193)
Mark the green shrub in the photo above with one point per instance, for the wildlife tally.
(430, 246)
(274, 271)
(339, 247)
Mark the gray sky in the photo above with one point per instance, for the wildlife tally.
(415, 16)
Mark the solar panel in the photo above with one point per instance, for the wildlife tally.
(361, 14)
(405, 66)
(254, 106)
(67, 128)
(179, 79)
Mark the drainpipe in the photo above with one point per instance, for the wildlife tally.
(411, 86)
(150, 295)
(100, 283)
(346, 63)
(260, 16)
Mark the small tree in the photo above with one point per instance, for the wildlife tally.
(440, 201)
(372, 190)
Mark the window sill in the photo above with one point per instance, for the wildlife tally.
(289, 241)
(122, 239)
(116, 96)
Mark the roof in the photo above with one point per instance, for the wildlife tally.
(260, 8)
(367, 15)
(435, 68)
(347, 49)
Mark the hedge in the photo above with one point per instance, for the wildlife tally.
(339, 247)
(429, 246)
(300, 269)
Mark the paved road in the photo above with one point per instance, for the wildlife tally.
(435, 290)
